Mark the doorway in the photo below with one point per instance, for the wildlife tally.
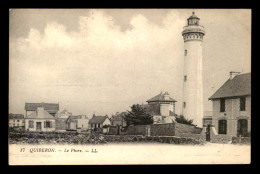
(38, 126)
(242, 127)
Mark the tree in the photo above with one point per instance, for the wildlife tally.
(138, 116)
(181, 119)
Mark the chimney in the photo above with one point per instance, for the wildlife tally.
(166, 96)
(233, 74)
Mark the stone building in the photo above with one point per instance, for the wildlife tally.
(75, 122)
(232, 106)
(40, 121)
(99, 122)
(16, 120)
(162, 107)
(118, 120)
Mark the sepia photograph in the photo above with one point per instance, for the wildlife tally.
(129, 86)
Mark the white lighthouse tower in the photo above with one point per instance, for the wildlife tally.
(192, 83)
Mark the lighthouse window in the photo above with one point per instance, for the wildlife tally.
(184, 104)
(185, 52)
(185, 78)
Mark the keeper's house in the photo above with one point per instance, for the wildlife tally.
(232, 106)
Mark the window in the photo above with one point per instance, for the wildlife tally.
(242, 104)
(13, 124)
(222, 127)
(185, 78)
(18, 120)
(47, 124)
(222, 105)
(31, 124)
(185, 53)
(184, 104)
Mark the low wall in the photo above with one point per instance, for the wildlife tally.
(168, 129)
(136, 130)
(75, 138)
(143, 139)
(163, 129)
(112, 130)
(183, 128)
(195, 136)
(241, 140)
(197, 130)
(219, 138)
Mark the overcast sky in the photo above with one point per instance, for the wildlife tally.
(103, 61)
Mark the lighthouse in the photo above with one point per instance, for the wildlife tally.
(192, 74)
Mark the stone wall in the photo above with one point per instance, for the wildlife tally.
(163, 129)
(219, 138)
(183, 128)
(168, 129)
(136, 130)
(113, 130)
(195, 136)
(241, 140)
(145, 139)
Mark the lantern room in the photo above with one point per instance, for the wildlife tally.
(193, 19)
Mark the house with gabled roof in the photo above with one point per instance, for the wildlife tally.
(40, 121)
(16, 120)
(162, 107)
(231, 105)
(118, 119)
(51, 108)
(99, 122)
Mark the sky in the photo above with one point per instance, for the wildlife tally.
(103, 61)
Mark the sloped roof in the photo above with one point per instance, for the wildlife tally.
(46, 106)
(97, 119)
(16, 116)
(118, 117)
(64, 111)
(193, 16)
(43, 114)
(240, 85)
(75, 117)
(160, 97)
(154, 109)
